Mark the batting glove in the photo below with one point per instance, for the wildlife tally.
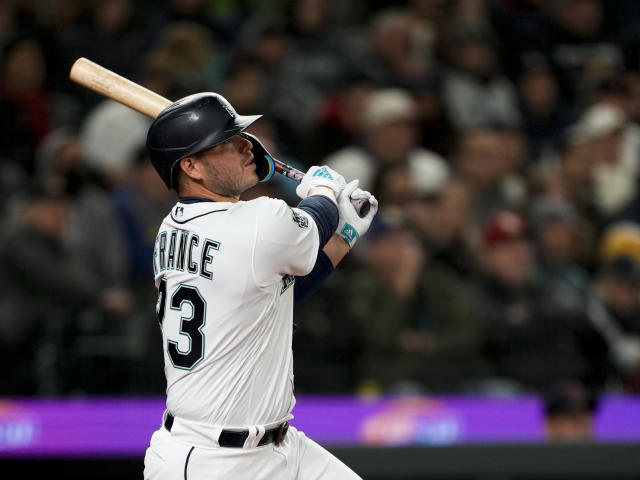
(320, 176)
(351, 225)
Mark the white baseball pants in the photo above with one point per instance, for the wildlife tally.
(297, 457)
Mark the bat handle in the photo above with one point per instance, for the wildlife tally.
(362, 206)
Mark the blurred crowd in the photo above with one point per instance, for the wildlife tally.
(501, 138)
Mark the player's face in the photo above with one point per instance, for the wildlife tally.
(229, 167)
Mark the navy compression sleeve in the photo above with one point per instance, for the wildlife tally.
(324, 212)
(305, 286)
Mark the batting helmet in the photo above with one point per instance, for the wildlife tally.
(192, 124)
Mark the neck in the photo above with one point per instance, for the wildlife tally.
(199, 190)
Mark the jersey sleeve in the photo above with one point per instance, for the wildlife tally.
(286, 242)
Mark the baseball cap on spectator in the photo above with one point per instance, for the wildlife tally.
(547, 209)
(503, 226)
(429, 172)
(597, 121)
(622, 238)
(387, 106)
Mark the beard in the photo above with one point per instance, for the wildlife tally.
(228, 182)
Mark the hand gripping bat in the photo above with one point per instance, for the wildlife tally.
(109, 84)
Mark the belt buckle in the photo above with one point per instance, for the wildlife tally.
(281, 432)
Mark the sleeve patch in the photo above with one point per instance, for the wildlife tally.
(299, 219)
(287, 281)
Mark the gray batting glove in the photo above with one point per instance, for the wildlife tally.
(351, 225)
(320, 177)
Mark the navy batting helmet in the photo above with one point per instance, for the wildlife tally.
(193, 124)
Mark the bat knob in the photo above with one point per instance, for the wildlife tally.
(362, 206)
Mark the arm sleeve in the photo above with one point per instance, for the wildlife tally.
(308, 284)
(324, 212)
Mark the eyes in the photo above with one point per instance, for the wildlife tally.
(223, 144)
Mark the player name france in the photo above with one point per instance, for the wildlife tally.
(183, 250)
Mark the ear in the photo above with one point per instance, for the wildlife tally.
(192, 168)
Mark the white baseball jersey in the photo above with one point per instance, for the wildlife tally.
(224, 272)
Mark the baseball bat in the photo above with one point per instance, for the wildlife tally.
(109, 84)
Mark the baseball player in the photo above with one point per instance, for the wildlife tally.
(228, 273)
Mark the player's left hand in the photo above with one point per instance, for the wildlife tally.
(351, 225)
(320, 176)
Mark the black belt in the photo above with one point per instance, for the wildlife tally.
(236, 438)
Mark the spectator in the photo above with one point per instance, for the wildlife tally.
(567, 173)
(569, 410)
(544, 116)
(267, 39)
(417, 330)
(530, 341)
(48, 293)
(389, 137)
(261, 58)
(428, 17)
(614, 304)
(192, 56)
(580, 50)
(316, 64)
(25, 100)
(96, 239)
(447, 229)
(559, 242)
(245, 84)
(318, 53)
(475, 93)
(28, 302)
(480, 161)
(514, 150)
(109, 135)
(92, 231)
(339, 121)
(613, 144)
(391, 57)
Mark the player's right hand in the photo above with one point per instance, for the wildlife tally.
(351, 225)
(320, 177)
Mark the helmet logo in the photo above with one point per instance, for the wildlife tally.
(228, 108)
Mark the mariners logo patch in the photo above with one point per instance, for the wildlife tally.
(287, 281)
(299, 219)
